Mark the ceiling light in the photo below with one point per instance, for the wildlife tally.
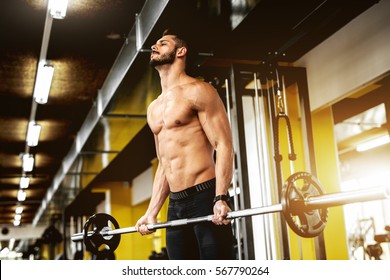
(58, 8)
(27, 162)
(19, 210)
(43, 83)
(11, 244)
(24, 182)
(373, 143)
(21, 195)
(33, 132)
(18, 217)
(16, 223)
(5, 251)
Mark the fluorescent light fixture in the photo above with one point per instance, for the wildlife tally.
(11, 244)
(21, 195)
(19, 210)
(373, 143)
(24, 182)
(5, 251)
(43, 83)
(58, 8)
(27, 162)
(33, 132)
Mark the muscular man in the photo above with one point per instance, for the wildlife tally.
(189, 123)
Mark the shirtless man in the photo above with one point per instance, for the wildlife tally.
(189, 123)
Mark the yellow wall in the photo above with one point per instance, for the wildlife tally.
(328, 175)
(133, 246)
(45, 252)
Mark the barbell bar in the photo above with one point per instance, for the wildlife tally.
(304, 207)
(231, 215)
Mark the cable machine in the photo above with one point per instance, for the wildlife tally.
(265, 156)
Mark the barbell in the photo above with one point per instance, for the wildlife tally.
(304, 204)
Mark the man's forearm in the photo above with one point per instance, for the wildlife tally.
(223, 169)
(159, 193)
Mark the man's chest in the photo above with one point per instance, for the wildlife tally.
(170, 111)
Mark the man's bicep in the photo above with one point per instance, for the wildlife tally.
(209, 103)
(216, 124)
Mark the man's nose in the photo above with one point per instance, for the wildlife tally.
(154, 47)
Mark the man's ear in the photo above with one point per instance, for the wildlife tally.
(181, 52)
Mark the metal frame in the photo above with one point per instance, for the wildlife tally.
(292, 74)
(237, 130)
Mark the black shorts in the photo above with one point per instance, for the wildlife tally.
(203, 240)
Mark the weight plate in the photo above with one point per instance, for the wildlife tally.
(93, 235)
(303, 221)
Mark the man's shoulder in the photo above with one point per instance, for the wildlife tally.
(153, 104)
(198, 86)
(201, 94)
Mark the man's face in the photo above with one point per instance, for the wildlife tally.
(163, 52)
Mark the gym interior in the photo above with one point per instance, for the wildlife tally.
(306, 87)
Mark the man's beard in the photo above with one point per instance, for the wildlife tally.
(165, 59)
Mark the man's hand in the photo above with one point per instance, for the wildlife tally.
(220, 212)
(142, 222)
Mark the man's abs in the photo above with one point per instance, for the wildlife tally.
(186, 157)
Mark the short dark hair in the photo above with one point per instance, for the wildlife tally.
(178, 37)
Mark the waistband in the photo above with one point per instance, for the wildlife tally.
(192, 190)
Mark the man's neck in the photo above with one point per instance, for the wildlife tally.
(170, 76)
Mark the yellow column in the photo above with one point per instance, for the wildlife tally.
(327, 172)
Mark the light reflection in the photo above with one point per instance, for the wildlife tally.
(76, 7)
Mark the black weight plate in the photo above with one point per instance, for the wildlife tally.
(303, 221)
(96, 243)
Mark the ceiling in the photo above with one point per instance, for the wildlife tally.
(365, 120)
(83, 47)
